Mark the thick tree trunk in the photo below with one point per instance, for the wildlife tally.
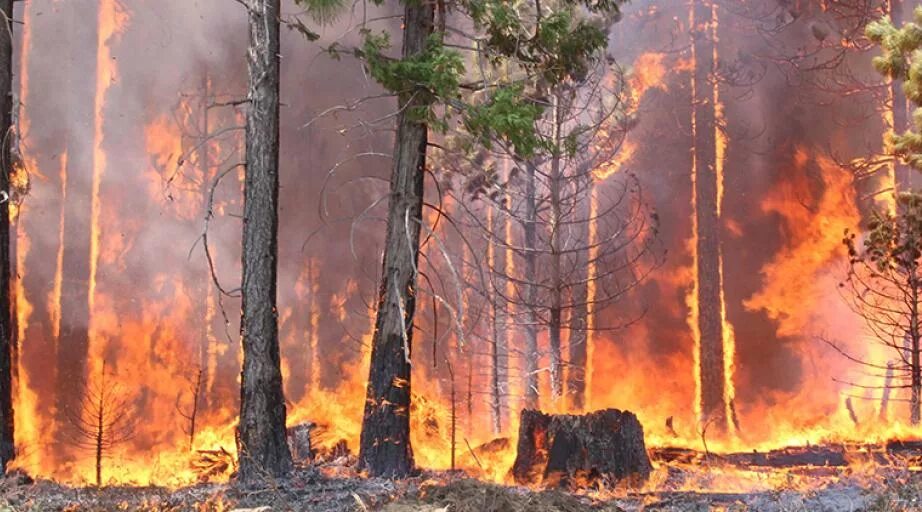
(263, 448)
(7, 315)
(710, 323)
(385, 442)
(73, 341)
(531, 291)
(579, 314)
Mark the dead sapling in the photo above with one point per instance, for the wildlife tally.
(104, 419)
(191, 414)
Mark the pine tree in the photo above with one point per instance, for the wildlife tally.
(262, 444)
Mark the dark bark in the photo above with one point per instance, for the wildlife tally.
(73, 341)
(710, 323)
(385, 442)
(832, 455)
(556, 449)
(7, 314)
(263, 448)
(579, 315)
(531, 291)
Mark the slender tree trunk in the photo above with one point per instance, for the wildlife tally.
(7, 313)
(73, 342)
(916, 398)
(100, 415)
(579, 316)
(531, 290)
(498, 346)
(313, 357)
(385, 442)
(263, 449)
(915, 370)
(556, 309)
(208, 301)
(885, 395)
(710, 323)
(900, 108)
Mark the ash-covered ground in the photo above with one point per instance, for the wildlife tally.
(312, 489)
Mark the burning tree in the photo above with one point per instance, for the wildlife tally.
(885, 281)
(885, 288)
(103, 420)
(7, 340)
(582, 236)
(546, 47)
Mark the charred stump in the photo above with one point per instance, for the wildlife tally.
(555, 449)
(299, 442)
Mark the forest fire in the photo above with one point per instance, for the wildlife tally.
(657, 282)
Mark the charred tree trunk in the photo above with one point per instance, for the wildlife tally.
(710, 323)
(579, 315)
(73, 341)
(7, 315)
(553, 449)
(385, 442)
(531, 290)
(263, 448)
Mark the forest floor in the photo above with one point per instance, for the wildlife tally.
(316, 491)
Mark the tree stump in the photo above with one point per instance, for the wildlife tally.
(299, 442)
(555, 450)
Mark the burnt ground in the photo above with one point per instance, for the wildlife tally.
(884, 489)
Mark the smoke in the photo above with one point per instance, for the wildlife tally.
(793, 111)
(156, 317)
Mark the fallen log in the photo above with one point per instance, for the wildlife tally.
(913, 446)
(814, 456)
(827, 455)
(555, 450)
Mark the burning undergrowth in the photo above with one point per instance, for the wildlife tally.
(123, 191)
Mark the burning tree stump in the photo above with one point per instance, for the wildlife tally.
(299, 442)
(555, 449)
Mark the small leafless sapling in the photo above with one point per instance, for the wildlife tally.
(104, 418)
(191, 414)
